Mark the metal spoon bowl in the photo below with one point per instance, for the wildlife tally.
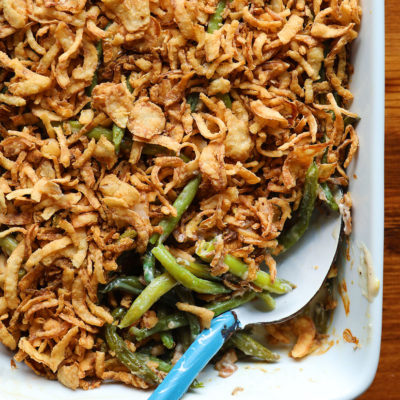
(306, 265)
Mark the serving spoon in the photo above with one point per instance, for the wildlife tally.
(306, 265)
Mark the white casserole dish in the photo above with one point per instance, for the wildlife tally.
(341, 372)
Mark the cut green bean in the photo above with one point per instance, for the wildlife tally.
(75, 126)
(263, 279)
(181, 204)
(128, 84)
(200, 270)
(167, 340)
(99, 131)
(155, 149)
(184, 337)
(240, 269)
(93, 84)
(193, 99)
(215, 21)
(219, 307)
(196, 384)
(291, 236)
(347, 120)
(158, 287)
(21, 273)
(226, 99)
(321, 317)
(126, 146)
(129, 233)
(165, 323)
(166, 336)
(330, 200)
(149, 267)
(8, 244)
(251, 347)
(184, 158)
(333, 115)
(117, 135)
(128, 284)
(338, 98)
(267, 299)
(131, 360)
(185, 277)
(162, 365)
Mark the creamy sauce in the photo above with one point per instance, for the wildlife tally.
(342, 289)
(350, 338)
(369, 283)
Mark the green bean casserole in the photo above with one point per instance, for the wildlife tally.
(156, 156)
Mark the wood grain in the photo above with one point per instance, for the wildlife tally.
(387, 381)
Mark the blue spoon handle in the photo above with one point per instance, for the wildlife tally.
(196, 357)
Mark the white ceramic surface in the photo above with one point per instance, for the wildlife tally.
(341, 372)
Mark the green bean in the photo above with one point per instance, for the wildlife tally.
(263, 279)
(162, 365)
(219, 307)
(321, 318)
(129, 284)
(157, 287)
(322, 71)
(194, 323)
(117, 135)
(193, 99)
(167, 340)
(196, 384)
(289, 237)
(200, 270)
(100, 131)
(131, 360)
(181, 204)
(215, 21)
(129, 233)
(251, 347)
(226, 99)
(184, 337)
(128, 84)
(337, 97)
(149, 267)
(240, 269)
(185, 277)
(184, 158)
(166, 336)
(21, 273)
(75, 126)
(8, 244)
(347, 120)
(165, 323)
(267, 299)
(93, 84)
(330, 200)
(333, 115)
(126, 145)
(155, 149)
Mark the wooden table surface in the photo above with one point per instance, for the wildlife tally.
(387, 381)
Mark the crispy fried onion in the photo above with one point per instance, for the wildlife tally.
(202, 313)
(26, 83)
